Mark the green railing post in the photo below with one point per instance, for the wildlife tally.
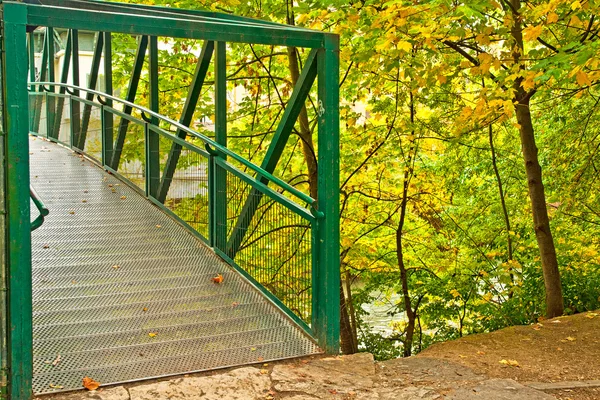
(51, 101)
(74, 105)
(60, 102)
(152, 138)
(326, 315)
(16, 164)
(220, 175)
(107, 130)
(92, 81)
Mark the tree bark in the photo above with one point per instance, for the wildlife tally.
(348, 343)
(541, 222)
(410, 314)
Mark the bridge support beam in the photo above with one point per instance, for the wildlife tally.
(134, 81)
(152, 139)
(60, 102)
(326, 283)
(18, 328)
(92, 81)
(280, 138)
(186, 118)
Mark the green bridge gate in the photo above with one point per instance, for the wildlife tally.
(218, 211)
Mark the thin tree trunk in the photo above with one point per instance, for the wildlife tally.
(410, 314)
(541, 222)
(308, 148)
(348, 342)
(503, 203)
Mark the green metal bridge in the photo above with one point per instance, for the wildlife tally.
(185, 257)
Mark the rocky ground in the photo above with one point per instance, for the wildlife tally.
(344, 377)
(555, 359)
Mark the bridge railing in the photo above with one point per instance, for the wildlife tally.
(208, 188)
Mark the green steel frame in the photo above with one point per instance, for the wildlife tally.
(149, 22)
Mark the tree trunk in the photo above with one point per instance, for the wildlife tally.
(541, 222)
(348, 341)
(410, 314)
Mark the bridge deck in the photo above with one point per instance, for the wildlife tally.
(122, 292)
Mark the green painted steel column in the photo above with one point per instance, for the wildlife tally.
(31, 51)
(75, 105)
(64, 74)
(93, 80)
(18, 257)
(50, 100)
(107, 131)
(219, 208)
(276, 147)
(134, 81)
(152, 138)
(186, 118)
(326, 288)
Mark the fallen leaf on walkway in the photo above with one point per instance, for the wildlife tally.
(90, 384)
(235, 304)
(158, 226)
(152, 334)
(218, 279)
(53, 386)
(56, 361)
(123, 197)
(512, 363)
(116, 266)
(113, 190)
(71, 212)
(145, 309)
(110, 185)
(253, 349)
(46, 246)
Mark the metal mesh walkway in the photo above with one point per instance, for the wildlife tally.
(122, 292)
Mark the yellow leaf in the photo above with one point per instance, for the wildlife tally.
(152, 334)
(404, 46)
(455, 293)
(552, 17)
(532, 32)
(571, 338)
(511, 363)
(583, 79)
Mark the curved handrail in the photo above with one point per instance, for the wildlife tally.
(39, 204)
(221, 149)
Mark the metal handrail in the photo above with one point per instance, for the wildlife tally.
(39, 204)
(216, 146)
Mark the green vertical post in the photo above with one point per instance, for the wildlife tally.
(219, 208)
(50, 100)
(326, 288)
(16, 164)
(93, 80)
(75, 105)
(134, 81)
(31, 52)
(107, 130)
(152, 139)
(186, 118)
(64, 74)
